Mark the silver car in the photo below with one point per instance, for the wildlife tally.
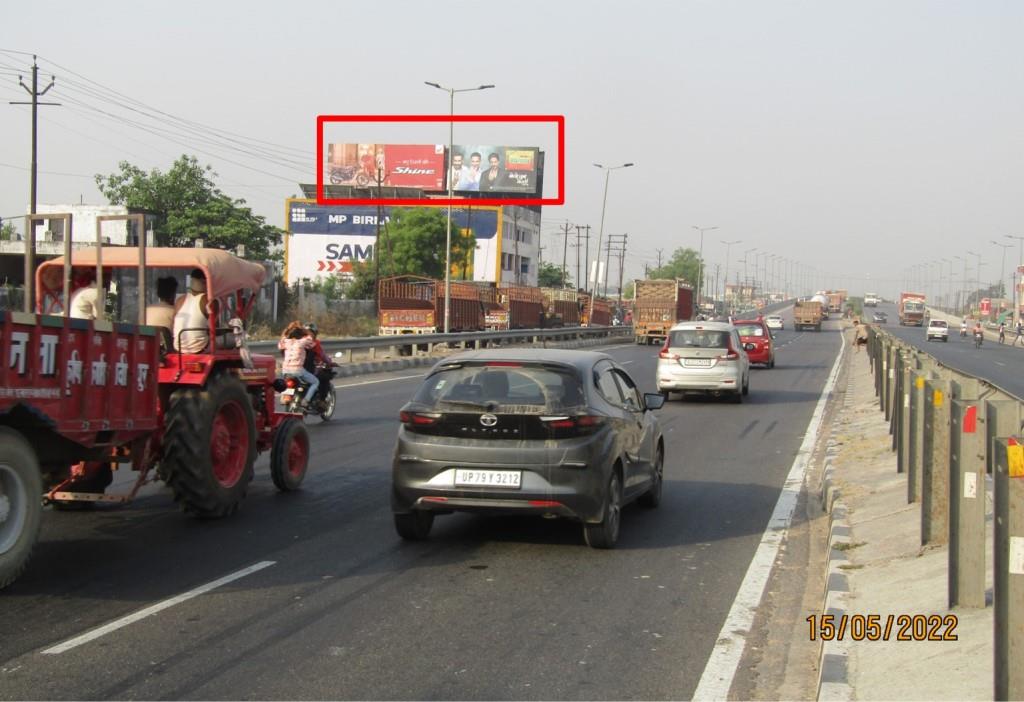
(535, 431)
(704, 357)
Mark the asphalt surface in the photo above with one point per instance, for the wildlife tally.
(998, 364)
(488, 608)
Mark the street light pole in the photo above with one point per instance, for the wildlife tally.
(1002, 269)
(700, 261)
(746, 275)
(600, 232)
(725, 285)
(448, 235)
(1020, 262)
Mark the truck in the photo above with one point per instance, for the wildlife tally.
(411, 304)
(525, 306)
(871, 299)
(836, 300)
(602, 311)
(911, 309)
(81, 399)
(658, 305)
(807, 314)
(561, 307)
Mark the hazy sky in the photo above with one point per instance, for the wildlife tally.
(858, 138)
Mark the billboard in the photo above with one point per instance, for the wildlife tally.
(494, 169)
(328, 239)
(401, 165)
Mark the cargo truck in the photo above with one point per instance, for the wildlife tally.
(911, 309)
(871, 299)
(836, 300)
(807, 314)
(525, 306)
(561, 307)
(414, 305)
(659, 304)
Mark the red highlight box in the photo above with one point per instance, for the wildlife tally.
(321, 120)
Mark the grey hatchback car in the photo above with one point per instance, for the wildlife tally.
(534, 431)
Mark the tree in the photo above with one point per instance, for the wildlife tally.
(364, 281)
(550, 276)
(418, 236)
(8, 232)
(683, 264)
(188, 205)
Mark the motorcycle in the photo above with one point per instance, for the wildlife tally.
(293, 390)
(978, 337)
(346, 174)
(963, 331)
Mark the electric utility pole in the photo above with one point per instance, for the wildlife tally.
(565, 252)
(35, 94)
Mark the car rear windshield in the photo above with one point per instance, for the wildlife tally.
(699, 338)
(938, 323)
(749, 329)
(507, 389)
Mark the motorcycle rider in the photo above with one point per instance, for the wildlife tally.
(296, 344)
(319, 364)
(979, 334)
(1002, 331)
(963, 327)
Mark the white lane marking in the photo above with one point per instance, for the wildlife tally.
(385, 380)
(998, 363)
(625, 363)
(153, 609)
(720, 669)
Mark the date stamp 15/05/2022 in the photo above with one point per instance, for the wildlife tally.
(878, 627)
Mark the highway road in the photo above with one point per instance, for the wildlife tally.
(335, 606)
(1000, 365)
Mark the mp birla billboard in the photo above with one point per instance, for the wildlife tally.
(326, 240)
(398, 165)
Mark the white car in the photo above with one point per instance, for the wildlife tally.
(773, 321)
(937, 329)
(703, 357)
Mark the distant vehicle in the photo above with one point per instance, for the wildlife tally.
(871, 300)
(534, 431)
(657, 305)
(774, 321)
(757, 341)
(879, 318)
(704, 357)
(807, 314)
(911, 309)
(937, 329)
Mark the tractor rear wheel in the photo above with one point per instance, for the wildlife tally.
(21, 504)
(289, 457)
(210, 446)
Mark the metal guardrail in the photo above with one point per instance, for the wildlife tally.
(412, 342)
(949, 429)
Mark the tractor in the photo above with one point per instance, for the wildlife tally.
(80, 398)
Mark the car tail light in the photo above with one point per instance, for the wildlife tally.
(582, 424)
(665, 353)
(730, 353)
(419, 419)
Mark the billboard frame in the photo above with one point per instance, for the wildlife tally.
(321, 120)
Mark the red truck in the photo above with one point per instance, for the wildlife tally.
(81, 399)
(410, 304)
(562, 307)
(525, 306)
(911, 309)
(659, 304)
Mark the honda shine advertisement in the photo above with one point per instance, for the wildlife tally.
(400, 165)
(325, 240)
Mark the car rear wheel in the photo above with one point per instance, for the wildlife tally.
(415, 525)
(605, 534)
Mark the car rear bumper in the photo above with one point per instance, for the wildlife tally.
(680, 379)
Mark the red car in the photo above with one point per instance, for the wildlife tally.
(757, 340)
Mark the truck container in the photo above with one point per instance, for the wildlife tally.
(415, 305)
(836, 301)
(524, 305)
(911, 309)
(807, 314)
(659, 304)
(871, 299)
(496, 315)
(561, 307)
(602, 311)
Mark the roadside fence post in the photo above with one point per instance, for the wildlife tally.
(935, 473)
(1002, 418)
(906, 392)
(1008, 566)
(915, 464)
(966, 574)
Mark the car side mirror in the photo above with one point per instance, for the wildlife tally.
(654, 400)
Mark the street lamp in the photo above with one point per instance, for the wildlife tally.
(700, 260)
(977, 275)
(448, 236)
(746, 276)
(1020, 262)
(725, 286)
(1002, 269)
(600, 232)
